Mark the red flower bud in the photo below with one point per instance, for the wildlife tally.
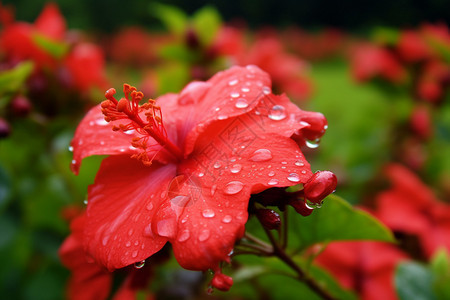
(320, 185)
(269, 218)
(20, 106)
(300, 207)
(222, 282)
(5, 129)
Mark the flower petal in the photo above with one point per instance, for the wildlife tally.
(94, 136)
(223, 177)
(121, 205)
(51, 23)
(89, 280)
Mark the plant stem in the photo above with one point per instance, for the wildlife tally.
(301, 275)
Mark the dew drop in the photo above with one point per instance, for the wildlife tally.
(266, 90)
(305, 123)
(245, 89)
(271, 173)
(139, 264)
(166, 228)
(227, 219)
(105, 240)
(149, 206)
(299, 163)
(184, 236)
(303, 172)
(261, 155)
(213, 189)
(70, 148)
(101, 122)
(208, 213)
(91, 123)
(233, 187)
(313, 205)
(273, 181)
(277, 113)
(134, 254)
(204, 235)
(85, 201)
(74, 161)
(234, 95)
(235, 168)
(201, 174)
(293, 177)
(233, 82)
(241, 103)
(312, 144)
(217, 165)
(128, 244)
(221, 117)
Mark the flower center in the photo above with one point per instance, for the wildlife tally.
(128, 109)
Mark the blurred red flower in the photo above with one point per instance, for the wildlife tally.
(409, 206)
(18, 40)
(187, 179)
(370, 61)
(367, 268)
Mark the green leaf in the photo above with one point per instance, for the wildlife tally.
(337, 220)
(414, 281)
(206, 23)
(54, 48)
(5, 187)
(11, 81)
(440, 266)
(386, 36)
(172, 17)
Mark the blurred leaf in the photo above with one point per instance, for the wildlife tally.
(177, 52)
(206, 23)
(440, 266)
(55, 48)
(414, 281)
(336, 220)
(386, 36)
(172, 17)
(11, 81)
(5, 187)
(172, 78)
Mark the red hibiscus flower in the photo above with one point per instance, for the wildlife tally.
(412, 47)
(410, 207)
(18, 40)
(370, 61)
(91, 281)
(181, 169)
(85, 65)
(367, 268)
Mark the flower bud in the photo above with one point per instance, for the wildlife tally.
(5, 129)
(222, 282)
(300, 207)
(191, 39)
(269, 218)
(20, 106)
(320, 185)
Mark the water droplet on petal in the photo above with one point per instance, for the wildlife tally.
(208, 213)
(227, 219)
(271, 173)
(201, 174)
(85, 201)
(234, 94)
(299, 163)
(313, 205)
(273, 181)
(293, 177)
(105, 240)
(213, 189)
(245, 89)
(139, 264)
(261, 155)
(266, 90)
(184, 236)
(241, 103)
(221, 117)
(235, 168)
(134, 254)
(74, 161)
(204, 235)
(70, 148)
(128, 244)
(277, 113)
(312, 144)
(149, 206)
(166, 228)
(233, 82)
(233, 187)
(101, 122)
(217, 165)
